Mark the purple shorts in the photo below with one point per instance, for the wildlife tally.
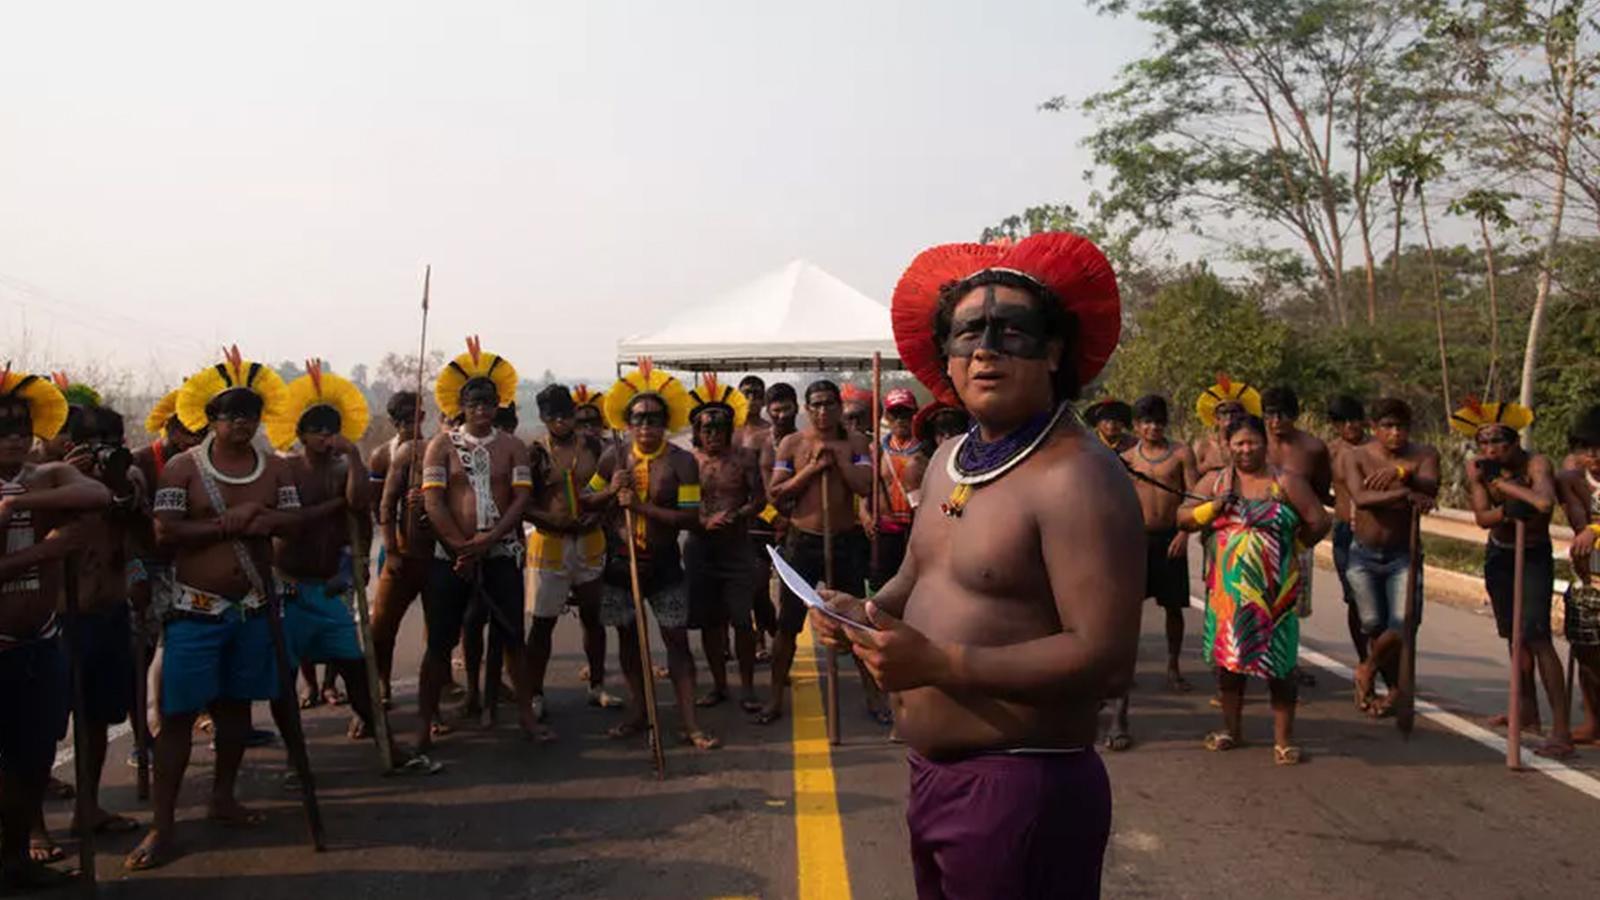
(1011, 825)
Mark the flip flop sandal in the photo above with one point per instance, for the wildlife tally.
(700, 739)
(46, 851)
(1215, 702)
(143, 859)
(115, 824)
(1220, 741)
(710, 699)
(1555, 750)
(1289, 755)
(881, 716)
(624, 730)
(1179, 685)
(60, 790)
(440, 729)
(420, 764)
(1119, 742)
(751, 705)
(766, 716)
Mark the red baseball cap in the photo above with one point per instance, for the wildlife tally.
(900, 398)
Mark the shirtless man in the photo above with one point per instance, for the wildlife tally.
(1017, 609)
(1304, 454)
(219, 653)
(402, 412)
(105, 637)
(408, 541)
(476, 483)
(1112, 420)
(35, 501)
(902, 463)
(1166, 548)
(660, 483)
(856, 409)
(567, 549)
(826, 456)
(1389, 480)
(1350, 433)
(783, 407)
(756, 428)
(1510, 484)
(1579, 488)
(313, 565)
(719, 558)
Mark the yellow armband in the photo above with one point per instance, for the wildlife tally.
(597, 484)
(688, 496)
(1403, 472)
(1204, 513)
(1595, 528)
(769, 514)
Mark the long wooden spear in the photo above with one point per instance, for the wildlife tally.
(1514, 717)
(1406, 709)
(414, 474)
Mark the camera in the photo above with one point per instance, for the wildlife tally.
(1489, 470)
(110, 458)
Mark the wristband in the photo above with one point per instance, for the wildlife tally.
(1401, 471)
(1595, 528)
(1204, 513)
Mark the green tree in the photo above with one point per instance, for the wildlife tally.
(1488, 206)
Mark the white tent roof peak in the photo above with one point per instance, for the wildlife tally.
(792, 316)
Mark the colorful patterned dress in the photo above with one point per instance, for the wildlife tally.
(1251, 590)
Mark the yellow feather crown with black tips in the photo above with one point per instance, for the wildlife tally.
(711, 393)
(47, 407)
(319, 388)
(1475, 415)
(647, 380)
(233, 373)
(475, 363)
(1226, 390)
(583, 395)
(162, 413)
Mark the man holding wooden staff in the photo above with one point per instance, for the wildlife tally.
(824, 457)
(1390, 480)
(652, 495)
(217, 507)
(1513, 494)
(326, 415)
(35, 500)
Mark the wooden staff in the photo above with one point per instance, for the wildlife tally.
(80, 724)
(414, 474)
(294, 738)
(643, 626)
(876, 506)
(1514, 714)
(827, 579)
(141, 700)
(380, 716)
(1406, 709)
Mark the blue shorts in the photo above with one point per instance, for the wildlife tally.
(1377, 578)
(228, 657)
(106, 644)
(33, 708)
(318, 625)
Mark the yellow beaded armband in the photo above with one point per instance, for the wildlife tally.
(1204, 513)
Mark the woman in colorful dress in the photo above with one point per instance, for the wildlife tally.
(1259, 517)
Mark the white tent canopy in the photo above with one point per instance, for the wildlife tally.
(797, 317)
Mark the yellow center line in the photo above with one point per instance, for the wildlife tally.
(818, 832)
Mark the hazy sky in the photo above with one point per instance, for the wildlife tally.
(173, 175)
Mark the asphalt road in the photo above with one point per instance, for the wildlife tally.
(1368, 813)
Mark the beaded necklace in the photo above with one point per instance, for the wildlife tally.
(974, 462)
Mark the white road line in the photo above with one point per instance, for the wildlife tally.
(1581, 782)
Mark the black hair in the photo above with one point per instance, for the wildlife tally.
(1345, 408)
(1115, 410)
(321, 417)
(1150, 408)
(822, 386)
(16, 408)
(555, 400)
(780, 392)
(697, 421)
(402, 406)
(1585, 430)
(1281, 399)
(1240, 423)
(80, 424)
(94, 423)
(239, 400)
(1059, 323)
(477, 386)
(1392, 408)
(505, 417)
(634, 401)
(752, 381)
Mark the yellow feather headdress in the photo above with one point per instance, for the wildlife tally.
(582, 395)
(1475, 415)
(47, 407)
(647, 379)
(319, 388)
(710, 392)
(234, 372)
(475, 363)
(1226, 390)
(162, 413)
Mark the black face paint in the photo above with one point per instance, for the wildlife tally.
(15, 420)
(1009, 329)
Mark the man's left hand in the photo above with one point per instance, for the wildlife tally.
(899, 657)
(1179, 545)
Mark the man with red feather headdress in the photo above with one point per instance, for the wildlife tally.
(1017, 608)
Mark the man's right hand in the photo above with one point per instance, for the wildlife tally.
(829, 631)
(822, 458)
(238, 518)
(1583, 544)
